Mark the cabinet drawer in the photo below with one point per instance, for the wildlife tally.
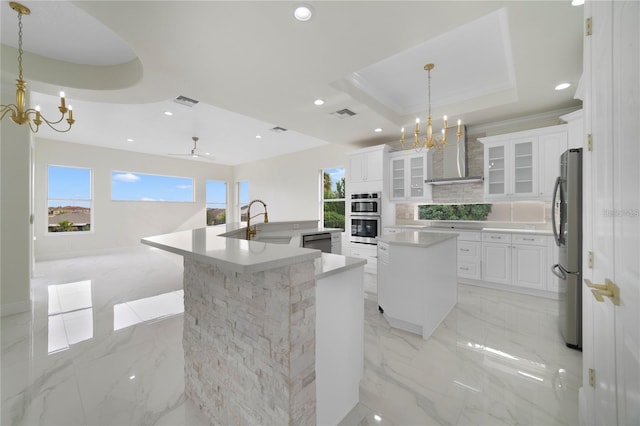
(336, 237)
(469, 270)
(468, 249)
(533, 240)
(469, 236)
(495, 237)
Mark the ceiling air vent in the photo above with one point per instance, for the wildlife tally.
(278, 129)
(344, 113)
(183, 100)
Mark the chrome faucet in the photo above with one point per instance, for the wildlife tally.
(251, 232)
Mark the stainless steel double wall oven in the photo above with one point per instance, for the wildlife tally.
(364, 212)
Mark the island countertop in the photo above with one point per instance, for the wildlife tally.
(251, 256)
(417, 238)
(242, 256)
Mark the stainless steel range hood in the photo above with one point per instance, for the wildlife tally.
(454, 180)
(454, 163)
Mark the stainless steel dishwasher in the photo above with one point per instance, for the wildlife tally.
(320, 242)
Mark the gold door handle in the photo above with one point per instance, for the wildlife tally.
(608, 289)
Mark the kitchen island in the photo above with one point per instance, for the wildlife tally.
(417, 279)
(273, 333)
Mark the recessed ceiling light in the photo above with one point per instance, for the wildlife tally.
(129, 140)
(169, 113)
(577, 2)
(258, 137)
(377, 130)
(318, 102)
(302, 13)
(563, 86)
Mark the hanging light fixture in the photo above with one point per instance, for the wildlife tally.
(430, 140)
(31, 116)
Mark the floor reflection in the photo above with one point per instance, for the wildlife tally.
(148, 309)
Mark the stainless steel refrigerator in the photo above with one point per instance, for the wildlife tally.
(567, 230)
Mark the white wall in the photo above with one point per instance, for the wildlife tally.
(15, 208)
(119, 223)
(289, 184)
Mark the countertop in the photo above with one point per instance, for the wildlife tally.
(417, 238)
(465, 229)
(243, 256)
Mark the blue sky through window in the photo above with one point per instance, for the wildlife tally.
(217, 193)
(128, 186)
(68, 186)
(336, 174)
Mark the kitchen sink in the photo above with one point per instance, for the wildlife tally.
(272, 239)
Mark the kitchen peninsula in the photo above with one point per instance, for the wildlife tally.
(273, 333)
(417, 279)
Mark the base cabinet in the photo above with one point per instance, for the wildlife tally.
(515, 260)
(496, 258)
(367, 252)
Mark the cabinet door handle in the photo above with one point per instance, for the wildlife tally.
(464, 269)
(465, 250)
(528, 239)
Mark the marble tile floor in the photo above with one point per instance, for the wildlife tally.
(103, 346)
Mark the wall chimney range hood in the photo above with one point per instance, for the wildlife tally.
(455, 169)
(454, 180)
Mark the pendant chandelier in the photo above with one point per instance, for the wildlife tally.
(31, 116)
(430, 141)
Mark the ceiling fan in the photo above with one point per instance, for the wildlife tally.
(195, 151)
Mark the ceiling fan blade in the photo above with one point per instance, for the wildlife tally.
(193, 153)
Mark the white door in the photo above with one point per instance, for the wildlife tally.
(612, 214)
(626, 207)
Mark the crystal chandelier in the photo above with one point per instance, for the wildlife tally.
(430, 140)
(31, 116)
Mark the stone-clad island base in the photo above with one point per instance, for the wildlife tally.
(249, 342)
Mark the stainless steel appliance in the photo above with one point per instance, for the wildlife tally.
(567, 231)
(320, 242)
(366, 204)
(364, 214)
(365, 229)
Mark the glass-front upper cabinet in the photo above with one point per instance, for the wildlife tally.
(495, 170)
(408, 171)
(510, 169)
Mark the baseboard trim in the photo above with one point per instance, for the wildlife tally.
(15, 308)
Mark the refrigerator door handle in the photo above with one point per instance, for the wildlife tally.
(554, 208)
(559, 271)
(563, 272)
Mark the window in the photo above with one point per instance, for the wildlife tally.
(333, 198)
(243, 199)
(69, 199)
(216, 202)
(127, 186)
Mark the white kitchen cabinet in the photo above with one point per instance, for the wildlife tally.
(576, 134)
(407, 173)
(366, 166)
(529, 261)
(496, 258)
(469, 255)
(518, 260)
(510, 169)
(523, 165)
(367, 252)
(550, 148)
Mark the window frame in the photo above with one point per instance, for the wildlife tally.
(90, 201)
(191, 179)
(324, 200)
(226, 201)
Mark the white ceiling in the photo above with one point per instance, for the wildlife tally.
(253, 67)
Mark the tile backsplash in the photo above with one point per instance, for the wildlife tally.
(537, 213)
